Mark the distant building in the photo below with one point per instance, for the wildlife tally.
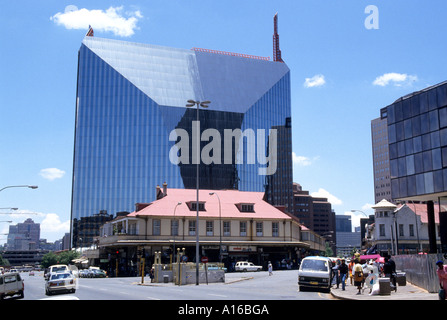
(347, 242)
(343, 223)
(381, 158)
(24, 236)
(65, 245)
(315, 213)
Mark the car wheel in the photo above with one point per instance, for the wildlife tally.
(21, 295)
(244, 270)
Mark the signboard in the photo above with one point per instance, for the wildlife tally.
(242, 248)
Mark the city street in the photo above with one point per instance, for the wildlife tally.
(239, 286)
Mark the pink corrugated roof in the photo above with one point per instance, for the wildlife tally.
(421, 210)
(228, 198)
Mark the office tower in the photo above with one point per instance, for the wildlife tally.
(381, 159)
(131, 119)
(24, 236)
(315, 213)
(417, 138)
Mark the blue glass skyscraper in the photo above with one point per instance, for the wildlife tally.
(132, 96)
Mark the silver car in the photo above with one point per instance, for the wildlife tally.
(59, 282)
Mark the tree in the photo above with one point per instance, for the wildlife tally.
(49, 259)
(328, 250)
(4, 262)
(66, 257)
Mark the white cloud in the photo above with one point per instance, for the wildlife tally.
(398, 79)
(110, 20)
(52, 173)
(302, 161)
(315, 81)
(357, 215)
(53, 223)
(321, 193)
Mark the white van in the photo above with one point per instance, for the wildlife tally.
(315, 272)
(245, 266)
(11, 284)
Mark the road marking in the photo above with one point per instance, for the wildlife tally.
(217, 295)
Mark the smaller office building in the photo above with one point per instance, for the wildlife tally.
(239, 225)
(403, 228)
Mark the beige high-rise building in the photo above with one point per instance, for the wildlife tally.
(381, 158)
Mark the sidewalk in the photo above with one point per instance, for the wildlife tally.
(408, 292)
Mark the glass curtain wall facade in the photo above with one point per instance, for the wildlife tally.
(417, 135)
(131, 98)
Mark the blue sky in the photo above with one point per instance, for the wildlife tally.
(341, 72)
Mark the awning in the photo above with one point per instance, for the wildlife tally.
(81, 261)
(370, 256)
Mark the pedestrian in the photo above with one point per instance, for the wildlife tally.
(442, 276)
(270, 267)
(343, 271)
(351, 267)
(371, 280)
(151, 274)
(389, 270)
(335, 278)
(358, 276)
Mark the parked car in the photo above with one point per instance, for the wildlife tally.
(215, 266)
(245, 266)
(98, 273)
(11, 284)
(83, 273)
(61, 281)
(315, 272)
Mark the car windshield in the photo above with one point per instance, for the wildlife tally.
(59, 269)
(59, 276)
(314, 265)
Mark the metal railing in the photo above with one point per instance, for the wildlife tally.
(420, 270)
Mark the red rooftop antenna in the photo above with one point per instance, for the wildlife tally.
(276, 50)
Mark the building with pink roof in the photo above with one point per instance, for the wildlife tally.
(239, 224)
(403, 226)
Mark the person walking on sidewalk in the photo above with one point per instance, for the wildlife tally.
(442, 276)
(351, 267)
(343, 271)
(358, 276)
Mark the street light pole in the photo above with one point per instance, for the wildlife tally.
(203, 104)
(360, 211)
(220, 227)
(24, 186)
(177, 228)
